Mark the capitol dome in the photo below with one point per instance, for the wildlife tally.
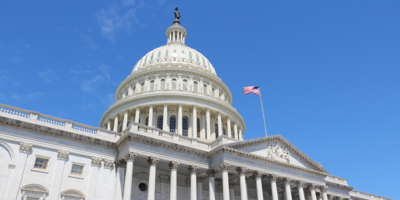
(175, 88)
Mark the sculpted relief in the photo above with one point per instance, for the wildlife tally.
(278, 153)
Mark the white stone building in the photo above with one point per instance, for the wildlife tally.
(171, 134)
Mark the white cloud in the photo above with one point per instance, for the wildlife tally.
(26, 97)
(112, 21)
(91, 84)
(89, 42)
(95, 78)
(48, 76)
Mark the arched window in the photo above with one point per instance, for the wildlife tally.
(213, 92)
(152, 85)
(223, 131)
(185, 84)
(205, 89)
(185, 125)
(147, 121)
(195, 87)
(198, 128)
(160, 122)
(162, 84)
(216, 131)
(166, 53)
(142, 87)
(172, 123)
(173, 84)
(134, 89)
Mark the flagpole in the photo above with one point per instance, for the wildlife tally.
(265, 127)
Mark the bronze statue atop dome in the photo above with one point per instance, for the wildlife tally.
(177, 15)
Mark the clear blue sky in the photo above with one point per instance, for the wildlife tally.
(329, 70)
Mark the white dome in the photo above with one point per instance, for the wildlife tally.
(175, 54)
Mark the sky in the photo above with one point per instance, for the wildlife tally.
(328, 70)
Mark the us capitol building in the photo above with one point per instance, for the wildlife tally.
(171, 134)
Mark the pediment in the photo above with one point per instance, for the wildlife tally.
(279, 149)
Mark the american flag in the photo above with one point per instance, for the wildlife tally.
(252, 89)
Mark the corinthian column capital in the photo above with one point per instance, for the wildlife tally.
(193, 169)
(224, 166)
(25, 147)
(258, 174)
(173, 165)
(130, 156)
(211, 172)
(241, 170)
(153, 160)
(62, 155)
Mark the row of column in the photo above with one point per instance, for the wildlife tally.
(196, 185)
(205, 122)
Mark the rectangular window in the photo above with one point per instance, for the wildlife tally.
(77, 170)
(41, 163)
(32, 198)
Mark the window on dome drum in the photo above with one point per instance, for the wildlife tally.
(185, 84)
(41, 163)
(166, 53)
(190, 56)
(213, 92)
(197, 58)
(185, 125)
(134, 89)
(205, 89)
(151, 85)
(142, 87)
(195, 87)
(198, 128)
(77, 170)
(159, 54)
(172, 124)
(151, 58)
(145, 60)
(162, 84)
(173, 84)
(160, 122)
(147, 121)
(216, 131)
(223, 131)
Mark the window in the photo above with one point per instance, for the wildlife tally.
(145, 60)
(195, 86)
(197, 58)
(77, 170)
(134, 89)
(174, 84)
(205, 89)
(198, 128)
(166, 53)
(216, 131)
(160, 122)
(213, 92)
(41, 163)
(223, 131)
(152, 85)
(190, 56)
(159, 54)
(185, 84)
(185, 125)
(162, 84)
(32, 198)
(142, 87)
(142, 187)
(172, 124)
(151, 58)
(147, 121)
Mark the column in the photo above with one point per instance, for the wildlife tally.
(119, 186)
(211, 183)
(152, 178)
(107, 178)
(109, 125)
(208, 127)
(137, 114)
(272, 179)
(180, 119)
(129, 157)
(220, 124)
(55, 186)
(243, 188)
(200, 187)
(194, 120)
(125, 122)
(288, 190)
(203, 126)
(300, 185)
(150, 115)
(213, 134)
(14, 185)
(312, 189)
(193, 180)
(235, 131)
(116, 123)
(323, 189)
(173, 185)
(240, 134)
(93, 177)
(225, 180)
(232, 185)
(165, 118)
(228, 126)
(258, 175)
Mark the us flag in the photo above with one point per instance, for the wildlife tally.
(252, 89)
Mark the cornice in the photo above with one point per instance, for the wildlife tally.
(151, 95)
(14, 123)
(346, 187)
(299, 153)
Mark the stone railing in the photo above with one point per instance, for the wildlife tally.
(17, 113)
(147, 130)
